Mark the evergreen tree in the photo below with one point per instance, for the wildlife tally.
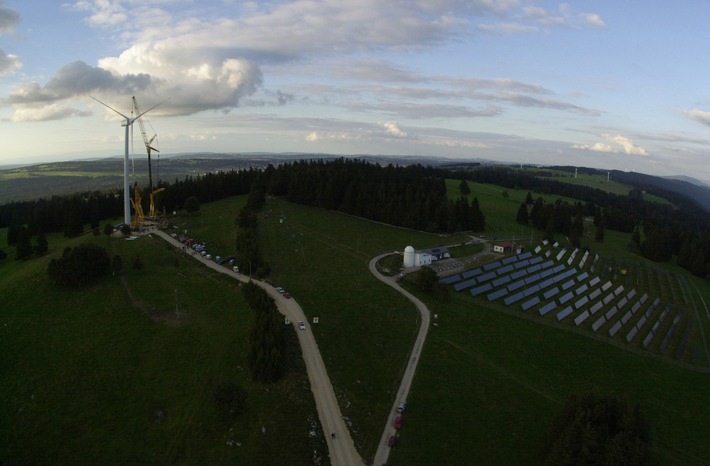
(3, 254)
(12, 234)
(522, 217)
(24, 244)
(192, 205)
(478, 221)
(463, 187)
(599, 234)
(108, 229)
(41, 244)
(529, 199)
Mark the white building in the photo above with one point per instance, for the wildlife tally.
(414, 258)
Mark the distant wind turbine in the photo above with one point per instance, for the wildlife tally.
(126, 184)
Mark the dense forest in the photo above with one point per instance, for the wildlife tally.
(412, 196)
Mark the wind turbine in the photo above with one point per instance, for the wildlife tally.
(126, 184)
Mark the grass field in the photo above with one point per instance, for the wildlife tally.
(109, 374)
(90, 370)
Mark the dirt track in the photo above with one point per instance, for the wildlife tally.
(341, 448)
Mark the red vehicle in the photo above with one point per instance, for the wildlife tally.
(287, 295)
(392, 441)
(398, 422)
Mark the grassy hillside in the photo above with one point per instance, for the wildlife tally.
(91, 369)
(111, 374)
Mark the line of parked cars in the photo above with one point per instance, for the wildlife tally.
(201, 248)
(398, 423)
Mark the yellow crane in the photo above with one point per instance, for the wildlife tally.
(149, 148)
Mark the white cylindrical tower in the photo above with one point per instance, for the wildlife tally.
(409, 256)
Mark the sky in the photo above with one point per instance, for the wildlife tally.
(609, 84)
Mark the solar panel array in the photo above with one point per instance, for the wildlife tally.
(539, 281)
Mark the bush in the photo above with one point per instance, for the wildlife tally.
(79, 266)
(596, 430)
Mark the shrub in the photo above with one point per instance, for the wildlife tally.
(79, 266)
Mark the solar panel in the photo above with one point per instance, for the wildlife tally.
(481, 289)
(545, 283)
(559, 255)
(566, 297)
(564, 313)
(622, 302)
(582, 276)
(643, 298)
(538, 249)
(497, 294)
(501, 281)
(559, 268)
(486, 276)
(521, 264)
(547, 264)
(550, 293)
(530, 303)
(547, 308)
(581, 290)
(450, 279)
(465, 284)
(525, 255)
(611, 313)
(546, 273)
(608, 298)
(581, 318)
(625, 318)
(548, 253)
(535, 260)
(606, 286)
(533, 268)
(631, 335)
(595, 308)
(509, 260)
(568, 284)
(519, 273)
(635, 307)
(513, 299)
(615, 328)
(594, 281)
(641, 321)
(598, 323)
(532, 279)
(472, 273)
(515, 285)
(505, 269)
(532, 290)
(595, 294)
(581, 302)
(647, 340)
(631, 294)
(492, 265)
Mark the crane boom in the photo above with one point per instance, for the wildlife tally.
(147, 142)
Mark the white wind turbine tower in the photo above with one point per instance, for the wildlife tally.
(126, 183)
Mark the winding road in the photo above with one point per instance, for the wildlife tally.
(341, 447)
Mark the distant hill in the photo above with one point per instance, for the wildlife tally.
(46, 179)
(699, 194)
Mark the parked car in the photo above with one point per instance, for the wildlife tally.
(302, 325)
(392, 441)
(402, 407)
(236, 269)
(398, 422)
(280, 290)
(287, 295)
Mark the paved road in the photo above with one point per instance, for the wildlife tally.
(383, 450)
(341, 448)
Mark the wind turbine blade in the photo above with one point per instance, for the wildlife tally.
(143, 113)
(109, 107)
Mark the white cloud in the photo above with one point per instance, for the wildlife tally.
(536, 19)
(622, 145)
(393, 128)
(312, 136)
(46, 113)
(700, 116)
(9, 63)
(9, 19)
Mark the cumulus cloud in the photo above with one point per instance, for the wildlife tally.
(536, 19)
(9, 63)
(46, 113)
(9, 19)
(700, 116)
(622, 144)
(393, 128)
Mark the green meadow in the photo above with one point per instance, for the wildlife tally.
(110, 371)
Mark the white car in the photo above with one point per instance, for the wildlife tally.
(280, 290)
(302, 325)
